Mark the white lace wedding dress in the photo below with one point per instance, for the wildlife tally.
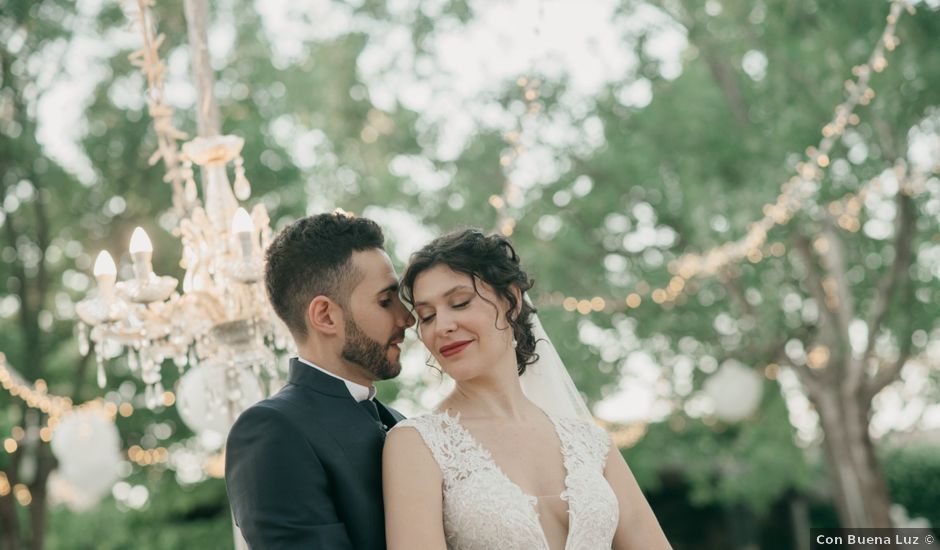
(485, 510)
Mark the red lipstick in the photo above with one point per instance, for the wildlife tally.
(453, 349)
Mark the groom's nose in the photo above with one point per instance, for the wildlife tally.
(403, 317)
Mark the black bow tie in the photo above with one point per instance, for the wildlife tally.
(373, 410)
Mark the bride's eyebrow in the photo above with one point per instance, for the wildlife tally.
(446, 294)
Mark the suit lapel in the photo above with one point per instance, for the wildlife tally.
(389, 416)
(311, 378)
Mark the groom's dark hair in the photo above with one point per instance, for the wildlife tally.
(313, 257)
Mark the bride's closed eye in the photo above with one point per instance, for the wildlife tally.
(430, 317)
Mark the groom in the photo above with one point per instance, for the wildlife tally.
(303, 468)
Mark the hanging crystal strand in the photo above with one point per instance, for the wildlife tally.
(158, 392)
(258, 333)
(148, 397)
(211, 403)
(258, 379)
(233, 382)
(242, 188)
(191, 193)
(180, 361)
(133, 362)
(145, 362)
(102, 380)
(83, 345)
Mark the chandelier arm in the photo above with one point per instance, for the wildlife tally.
(208, 303)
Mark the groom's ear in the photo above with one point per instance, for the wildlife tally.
(323, 315)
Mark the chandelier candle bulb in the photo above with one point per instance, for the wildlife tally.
(106, 275)
(141, 250)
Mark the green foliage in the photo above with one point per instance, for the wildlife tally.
(913, 474)
(753, 464)
(176, 517)
(698, 162)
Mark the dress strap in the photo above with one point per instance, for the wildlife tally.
(456, 454)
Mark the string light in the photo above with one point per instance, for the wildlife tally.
(36, 396)
(125, 409)
(147, 457)
(55, 407)
(771, 371)
(795, 194)
(511, 193)
(22, 494)
(799, 189)
(846, 211)
(624, 437)
(214, 465)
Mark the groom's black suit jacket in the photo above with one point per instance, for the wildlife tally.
(304, 468)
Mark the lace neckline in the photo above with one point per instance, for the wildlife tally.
(454, 421)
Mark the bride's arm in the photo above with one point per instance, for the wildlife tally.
(638, 527)
(412, 486)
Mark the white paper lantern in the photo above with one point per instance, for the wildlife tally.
(61, 491)
(210, 397)
(735, 391)
(88, 447)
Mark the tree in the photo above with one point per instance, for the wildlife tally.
(694, 168)
(54, 219)
(685, 172)
(748, 126)
(37, 252)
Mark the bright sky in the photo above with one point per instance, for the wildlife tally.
(454, 88)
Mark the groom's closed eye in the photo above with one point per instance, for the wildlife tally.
(387, 295)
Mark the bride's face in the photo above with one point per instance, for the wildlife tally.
(464, 328)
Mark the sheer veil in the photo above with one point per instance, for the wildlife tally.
(547, 382)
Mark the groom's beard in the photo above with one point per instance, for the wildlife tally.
(372, 356)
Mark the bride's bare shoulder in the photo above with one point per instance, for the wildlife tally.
(406, 449)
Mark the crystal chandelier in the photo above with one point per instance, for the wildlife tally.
(221, 315)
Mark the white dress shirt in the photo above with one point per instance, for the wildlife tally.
(357, 391)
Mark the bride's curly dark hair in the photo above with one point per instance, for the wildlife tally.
(488, 258)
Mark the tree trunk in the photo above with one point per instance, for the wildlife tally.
(39, 510)
(9, 526)
(859, 488)
(799, 520)
(37, 515)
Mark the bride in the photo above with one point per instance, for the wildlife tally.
(508, 460)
